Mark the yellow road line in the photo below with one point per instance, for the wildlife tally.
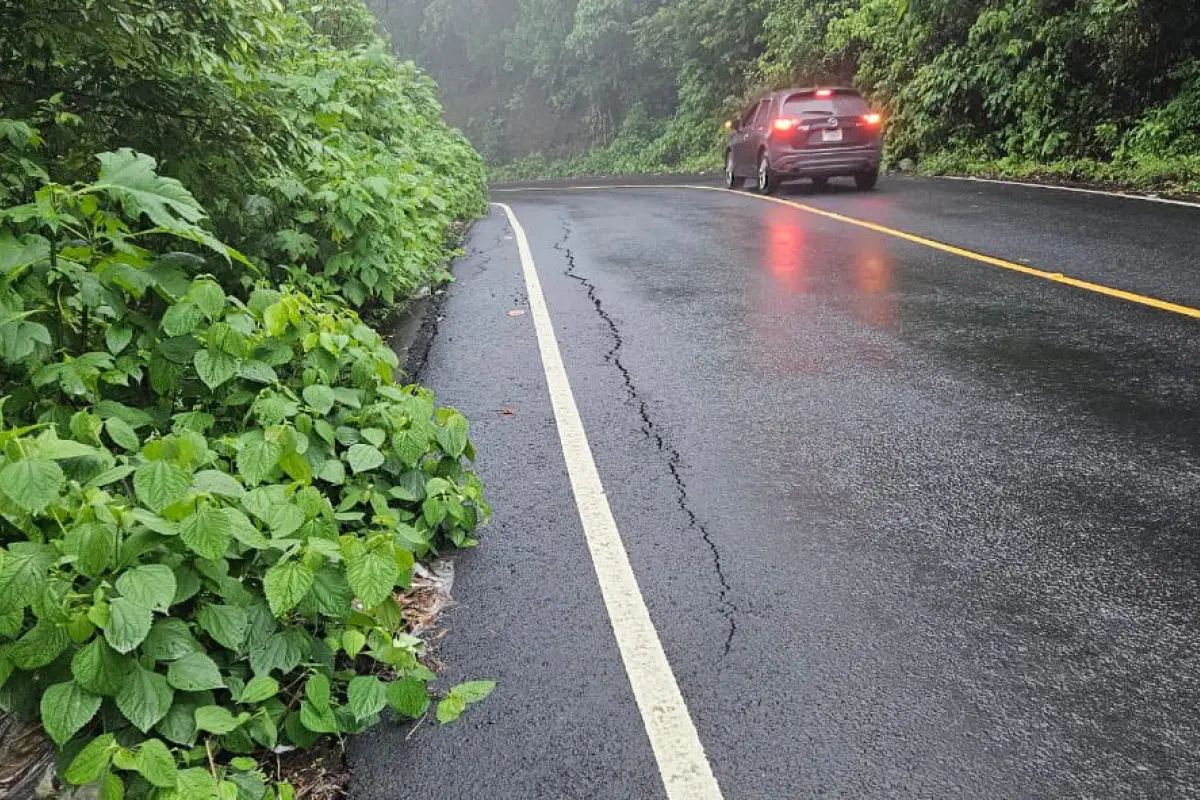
(1056, 277)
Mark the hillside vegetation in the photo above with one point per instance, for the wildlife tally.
(1100, 89)
(213, 483)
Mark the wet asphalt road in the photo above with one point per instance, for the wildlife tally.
(908, 525)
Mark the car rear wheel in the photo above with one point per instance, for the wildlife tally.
(866, 180)
(732, 181)
(767, 182)
(820, 182)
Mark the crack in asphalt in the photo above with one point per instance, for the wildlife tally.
(651, 432)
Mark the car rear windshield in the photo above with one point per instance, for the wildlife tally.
(840, 104)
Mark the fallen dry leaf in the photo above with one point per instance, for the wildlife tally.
(508, 412)
(428, 594)
(517, 312)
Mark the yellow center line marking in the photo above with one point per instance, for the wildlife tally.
(1056, 277)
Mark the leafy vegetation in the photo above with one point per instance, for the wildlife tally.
(211, 481)
(1103, 89)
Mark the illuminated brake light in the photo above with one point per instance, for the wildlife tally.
(824, 93)
(785, 124)
(872, 119)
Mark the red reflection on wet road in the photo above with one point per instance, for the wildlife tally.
(873, 282)
(784, 253)
(810, 274)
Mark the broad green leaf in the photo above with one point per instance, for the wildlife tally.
(66, 708)
(116, 337)
(285, 585)
(92, 760)
(181, 319)
(214, 367)
(263, 731)
(257, 372)
(97, 548)
(208, 297)
(260, 688)
(473, 691)
(100, 669)
(40, 646)
(187, 583)
(159, 484)
(456, 701)
(128, 624)
(450, 708)
(156, 764)
(366, 696)
(195, 672)
(112, 787)
(56, 449)
(353, 642)
(317, 690)
(363, 457)
(179, 723)
(408, 697)
(319, 398)
(244, 531)
(144, 697)
(297, 467)
(282, 651)
(318, 720)
(18, 253)
(285, 519)
(169, 639)
(297, 733)
(11, 622)
(22, 571)
(257, 459)
(330, 593)
(155, 523)
(207, 532)
(372, 575)
(215, 482)
(453, 435)
(332, 471)
(130, 177)
(33, 483)
(226, 624)
(195, 784)
(215, 719)
(150, 585)
(111, 476)
(123, 435)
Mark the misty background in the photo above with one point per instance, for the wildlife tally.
(648, 82)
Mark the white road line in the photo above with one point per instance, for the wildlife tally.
(685, 770)
(1078, 189)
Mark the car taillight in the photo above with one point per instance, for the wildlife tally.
(823, 93)
(872, 119)
(785, 124)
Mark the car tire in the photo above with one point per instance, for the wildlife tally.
(767, 183)
(732, 181)
(820, 182)
(866, 180)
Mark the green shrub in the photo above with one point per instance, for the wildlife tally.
(210, 501)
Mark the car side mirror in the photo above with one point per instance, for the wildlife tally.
(733, 125)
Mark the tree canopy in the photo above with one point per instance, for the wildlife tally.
(1029, 79)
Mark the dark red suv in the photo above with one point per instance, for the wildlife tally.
(805, 133)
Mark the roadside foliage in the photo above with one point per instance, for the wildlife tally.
(1099, 89)
(212, 483)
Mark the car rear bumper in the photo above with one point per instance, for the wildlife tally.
(826, 161)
